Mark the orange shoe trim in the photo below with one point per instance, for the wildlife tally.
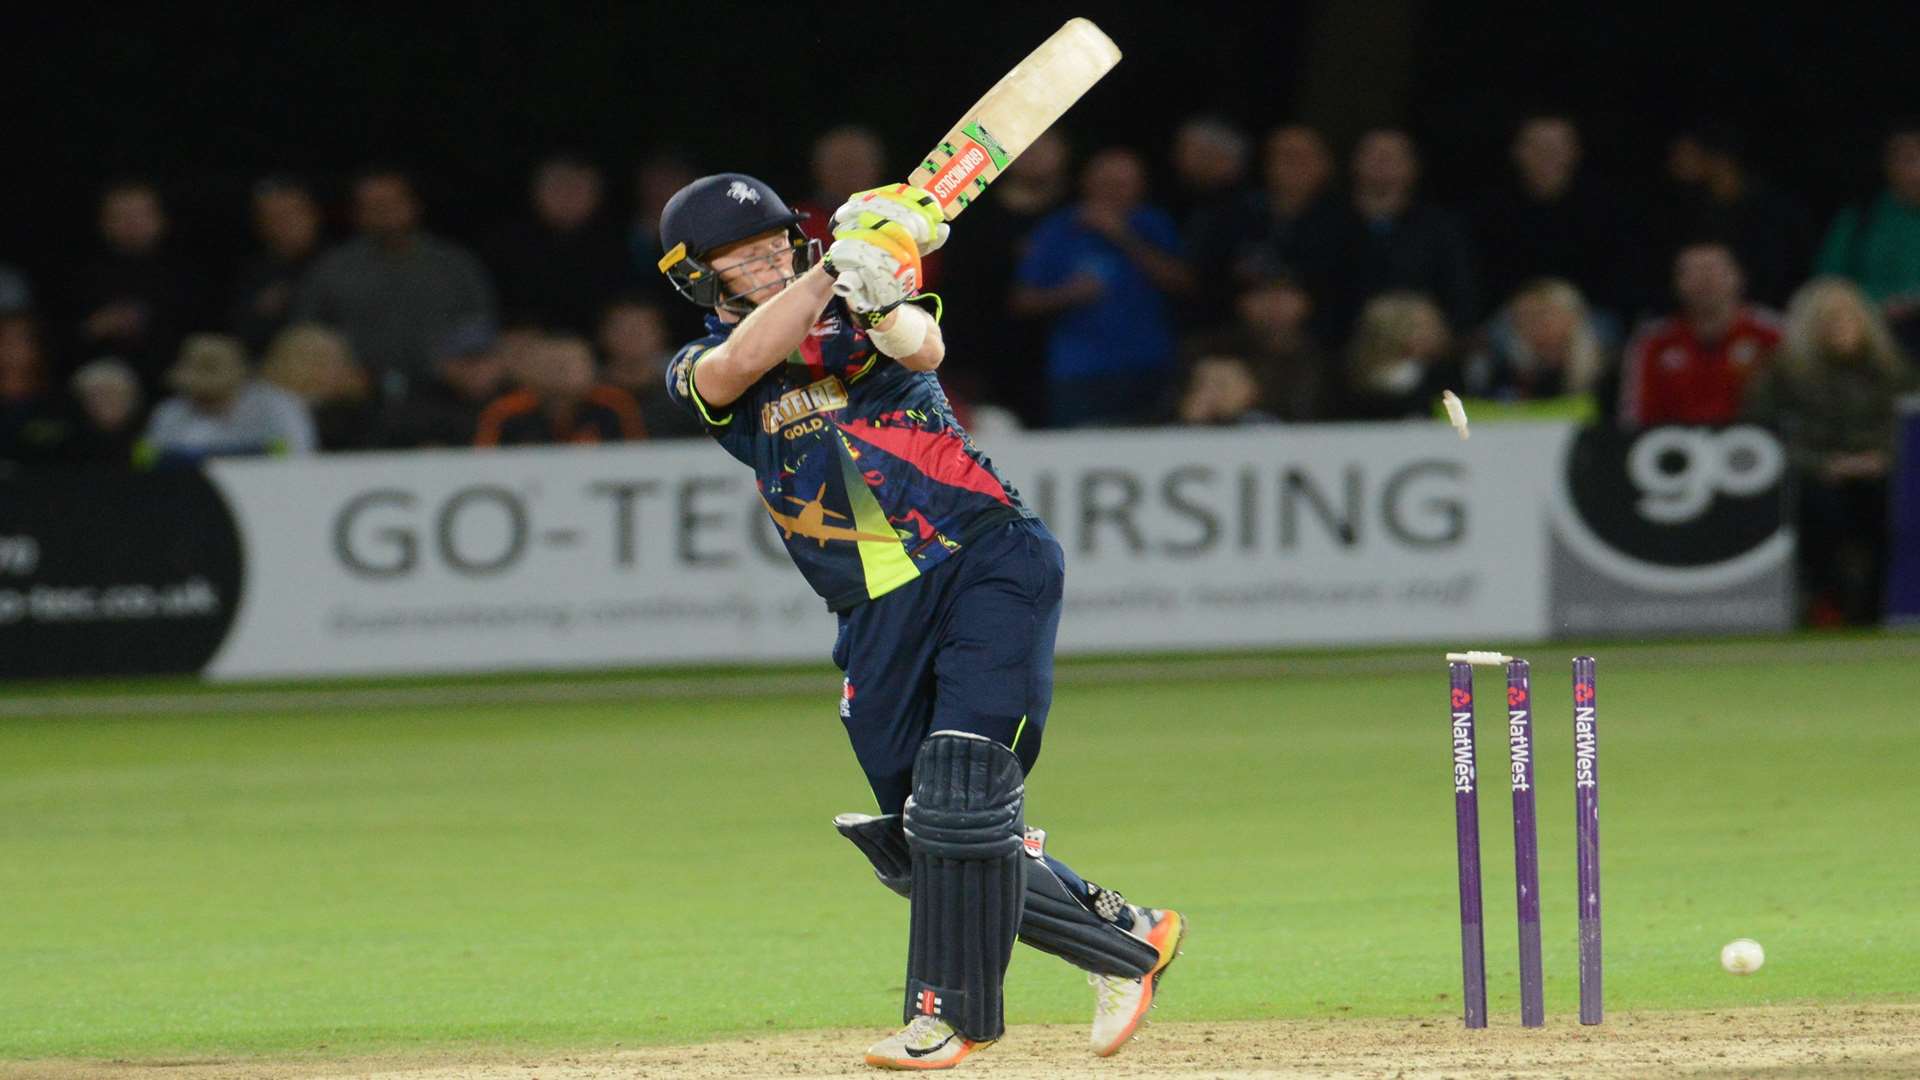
(1170, 933)
(906, 1064)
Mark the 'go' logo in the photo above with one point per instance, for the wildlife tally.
(1680, 470)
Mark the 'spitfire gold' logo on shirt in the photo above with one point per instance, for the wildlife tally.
(824, 396)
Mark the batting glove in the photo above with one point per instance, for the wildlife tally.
(903, 204)
(874, 269)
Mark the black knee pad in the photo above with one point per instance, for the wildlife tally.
(964, 827)
(1054, 920)
(884, 845)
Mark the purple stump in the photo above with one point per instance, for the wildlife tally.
(1526, 841)
(1466, 819)
(1586, 817)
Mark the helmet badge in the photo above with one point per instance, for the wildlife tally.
(739, 192)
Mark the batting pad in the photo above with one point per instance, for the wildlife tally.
(964, 837)
(1055, 922)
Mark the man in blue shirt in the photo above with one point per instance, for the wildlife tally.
(819, 377)
(1104, 269)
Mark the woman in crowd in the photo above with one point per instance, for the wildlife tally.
(316, 365)
(1831, 394)
(1401, 358)
(1544, 346)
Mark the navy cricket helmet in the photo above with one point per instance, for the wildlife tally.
(711, 213)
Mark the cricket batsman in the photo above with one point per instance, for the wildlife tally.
(818, 374)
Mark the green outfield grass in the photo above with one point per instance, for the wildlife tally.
(661, 868)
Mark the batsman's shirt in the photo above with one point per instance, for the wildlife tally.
(859, 461)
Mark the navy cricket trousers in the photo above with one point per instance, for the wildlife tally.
(968, 647)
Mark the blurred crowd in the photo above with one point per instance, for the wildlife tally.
(1267, 280)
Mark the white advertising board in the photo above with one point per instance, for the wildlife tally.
(649, 554)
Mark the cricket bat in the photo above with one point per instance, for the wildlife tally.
(1023, 104)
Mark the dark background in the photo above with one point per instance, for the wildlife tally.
(205, 99)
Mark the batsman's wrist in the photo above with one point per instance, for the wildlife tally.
(905, 332)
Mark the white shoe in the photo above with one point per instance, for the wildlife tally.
(1120, 1004)
(927, 1043)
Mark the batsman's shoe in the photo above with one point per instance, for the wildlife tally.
(1120, 1004)
(927, 1043)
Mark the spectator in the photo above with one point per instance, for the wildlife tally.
(1035, 185)
(1769, 233)
(519, 344)
(34, 430)
(395, 290)
(107, 396)
(1400, 358)
(135, 298)
(1397, 242)
(470, 370)
(654, 182)
(1551, 220)
(566, 263)
(1209, 164)
(845, 160)
(636, 344)
(1210, 199)
(1293, 221)
(1544, 344)
(1831, 394)
(1693, 367)
(1293, 374)
(1005, 353)
(1877, 246)
(1222, 388)
(563, 405)
(314, 364)
(1104, 269)
(286, 221)
(221, 411)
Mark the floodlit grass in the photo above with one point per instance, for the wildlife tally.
(663, 869)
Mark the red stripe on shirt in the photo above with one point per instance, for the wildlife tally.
(939, 454)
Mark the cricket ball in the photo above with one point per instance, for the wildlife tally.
(1742, 956)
